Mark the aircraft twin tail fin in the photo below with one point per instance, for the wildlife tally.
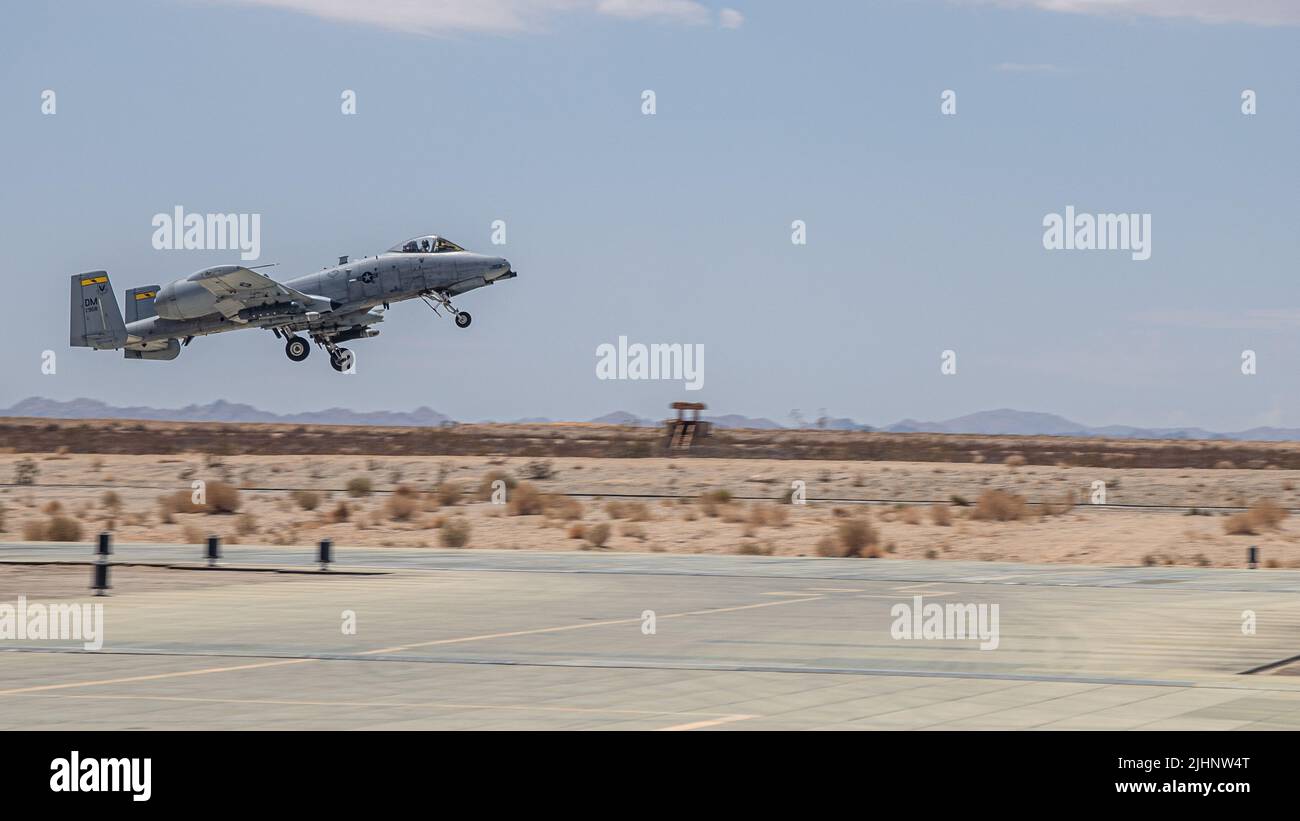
(96, 319)
(139, 302)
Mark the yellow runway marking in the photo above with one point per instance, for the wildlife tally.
(897, 597)
(696, 725)
(153, 677)
(566, 627)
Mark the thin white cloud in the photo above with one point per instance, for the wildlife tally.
(429, 17)
(1258, 12)
(678, 11)
(730, 19)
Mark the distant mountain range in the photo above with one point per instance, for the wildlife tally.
(1004, 421)
(220, 411)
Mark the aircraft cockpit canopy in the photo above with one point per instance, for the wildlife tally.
(429, 244)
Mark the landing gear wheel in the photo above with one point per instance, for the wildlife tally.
(463, 319)
(341, 359)
(297, 348)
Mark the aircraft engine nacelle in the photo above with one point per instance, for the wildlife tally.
(184, 300)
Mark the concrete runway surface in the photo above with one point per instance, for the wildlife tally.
(473, 639)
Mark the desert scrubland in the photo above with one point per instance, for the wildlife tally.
(959, 497)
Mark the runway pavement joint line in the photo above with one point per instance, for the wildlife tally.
(566, 627)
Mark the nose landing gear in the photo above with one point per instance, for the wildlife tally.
(341, 359)
(437, 299)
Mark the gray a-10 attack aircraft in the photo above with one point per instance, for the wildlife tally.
(335, 305)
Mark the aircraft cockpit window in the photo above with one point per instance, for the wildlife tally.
(426, 245)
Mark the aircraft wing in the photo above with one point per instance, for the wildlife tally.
(237, 288)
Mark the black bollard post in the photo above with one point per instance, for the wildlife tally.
(1252, 557)
(214, 550)
(99, 578)
(99, 571)
(325, 545)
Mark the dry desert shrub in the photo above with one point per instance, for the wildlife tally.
(1263, 515)
(52, 507)
(54, 529)
(449, 493)
(827, 548)
(246, 525)
(910, 515)
(358, 486)
(711, 501)
(998, 506)
(857, 537)
(563, 508)
(486, 485)
(526, 500)
(941, 515)
(63, 529)
(26, 471)
(538, 469)
(307, 499)
(777, 516)
(454, 532)
(1014, 461)
(577, 530)
(339, 514)
(755, 548)
(222, 498)
(402, 504)
(179, 502)
(112, 501)
(734, 514)
(597, 534)
(632, 531)
(854, 537)
(768, 515)
(1058, 508)
(193, 535)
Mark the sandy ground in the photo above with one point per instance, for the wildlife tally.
(269, 513)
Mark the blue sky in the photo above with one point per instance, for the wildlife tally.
(924, 230)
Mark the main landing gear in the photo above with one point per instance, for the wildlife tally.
(297, 348)
(436, 299)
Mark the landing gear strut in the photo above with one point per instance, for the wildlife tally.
(442, 300)
(341, 359)
(297, 348)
